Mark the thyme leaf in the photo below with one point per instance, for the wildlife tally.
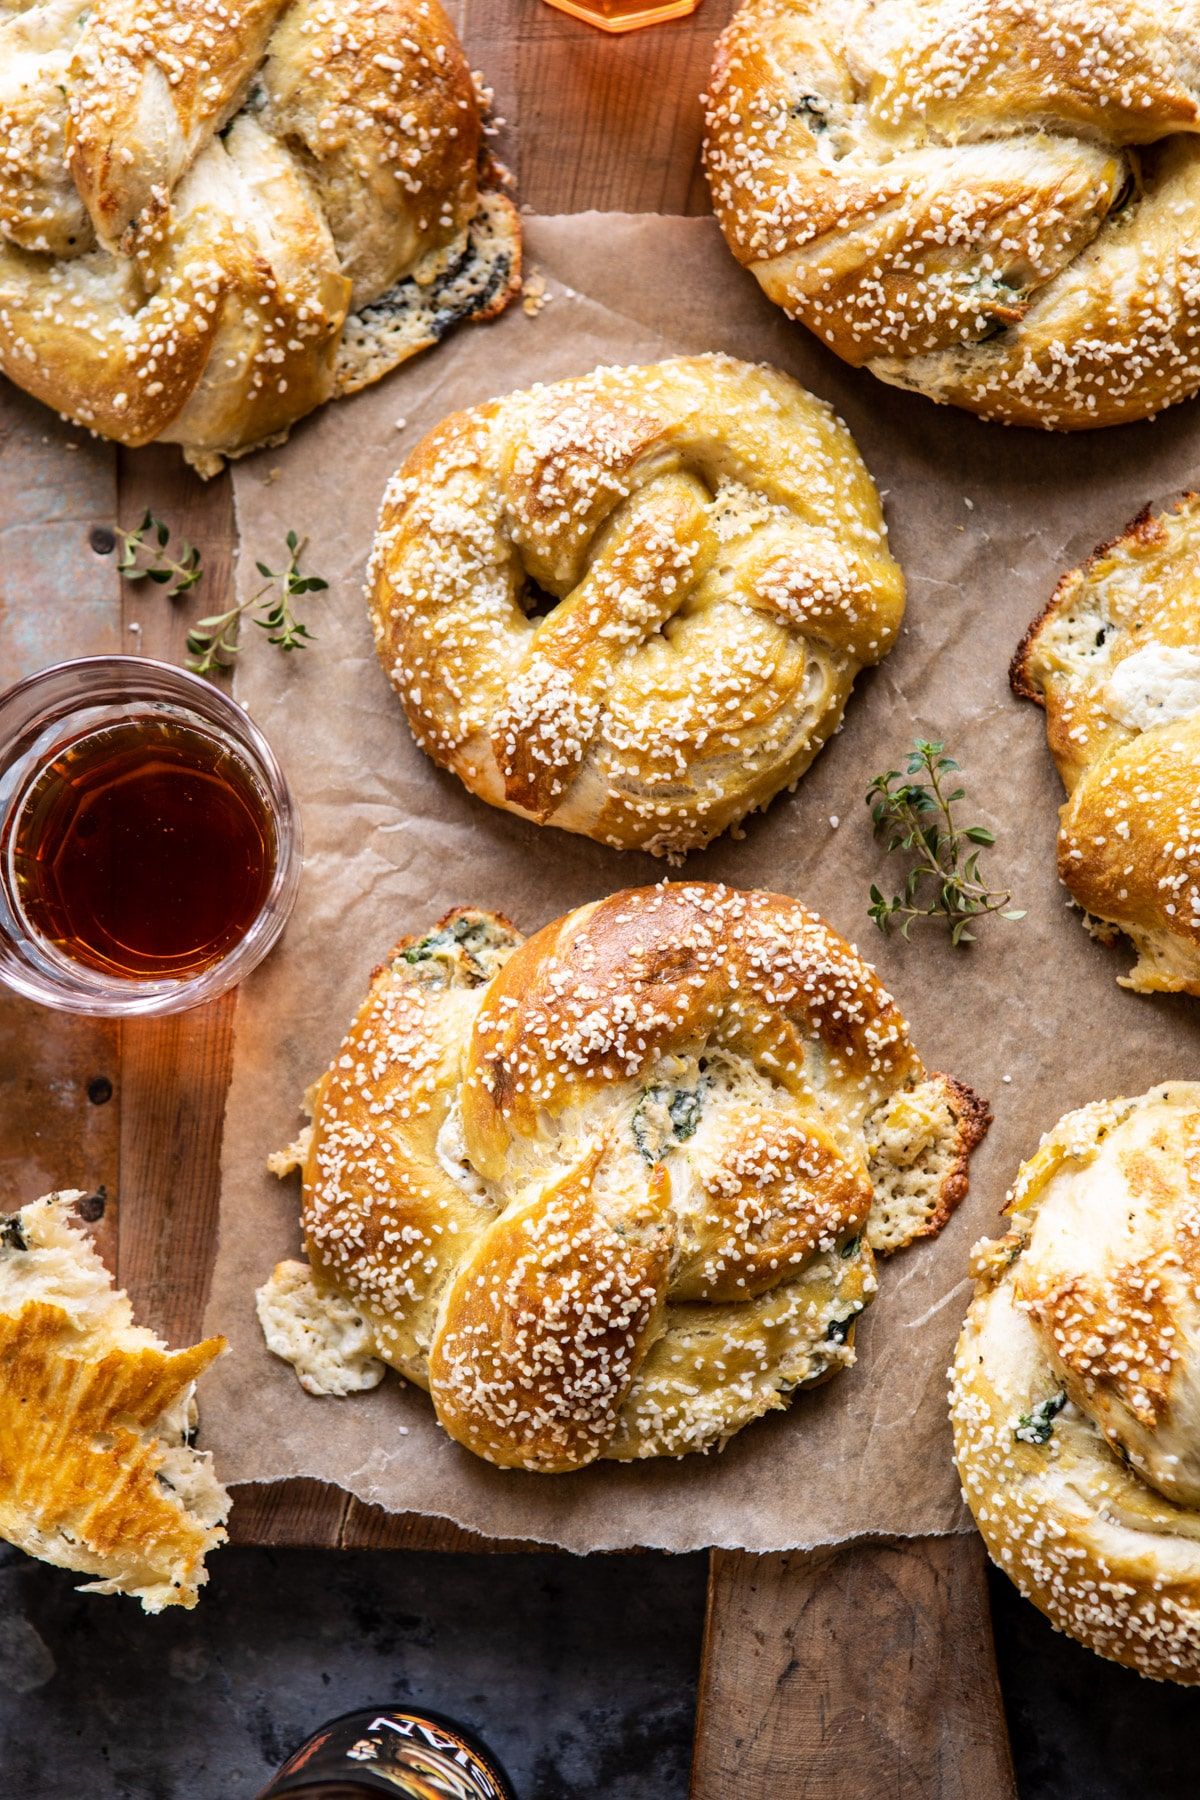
(912, 812)
(143, 557)
(213, 642)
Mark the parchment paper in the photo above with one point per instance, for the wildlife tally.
(983, 520)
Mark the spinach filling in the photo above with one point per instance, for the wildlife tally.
(473, 936)
(838, 1330)
(1037, 1425)
(12, 1235)
(665, 1117)
(466, 286)
(812, 111)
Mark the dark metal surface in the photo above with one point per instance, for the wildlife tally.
(580, 1672)
(1082, 1728)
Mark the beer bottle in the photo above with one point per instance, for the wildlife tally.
(391, 1750)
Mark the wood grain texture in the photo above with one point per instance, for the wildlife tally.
(865, 1670)
(54, 1135)
(591, 120)
(308, 1512)
(58, 599)
(174, 1073)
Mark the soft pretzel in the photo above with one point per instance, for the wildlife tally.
(993, 202)
(1115, 661)
(97, 1472)
(715, 562)
(1075, 1405)
(213, 218)
(614, 1191)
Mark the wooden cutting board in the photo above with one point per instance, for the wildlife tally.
(866, 1671)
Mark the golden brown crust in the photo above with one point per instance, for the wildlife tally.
(1143, 879)
(682, 964)
(717, 560)
(212, 220)
(1144, 528)
(547, 1325)
(1020, 669)
(373, 1153)
(972, 1117)
(42, 1380)
(1074, 1400)
(147, 85)
(996, 206)
(95, 1472)
(607, 1193)
(1115, 661)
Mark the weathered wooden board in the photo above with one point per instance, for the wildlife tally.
(861, 1671)
(59, 1086)
(868, 1670)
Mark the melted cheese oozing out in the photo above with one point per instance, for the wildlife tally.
(1155, 686)
(326, 1340)
(1113, 1254)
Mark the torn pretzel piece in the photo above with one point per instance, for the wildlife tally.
(97, 1471)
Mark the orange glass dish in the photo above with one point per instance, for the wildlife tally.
(624, 15)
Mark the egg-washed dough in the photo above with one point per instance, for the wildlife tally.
(1115, 661)
(616, 1190)
(97, 1472)
(214, 218)
(1075, 1391)
(995, 203)
(633, 604)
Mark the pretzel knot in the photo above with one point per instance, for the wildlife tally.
(1115, 661)
(1074, 1387)
(613, 1191)
(633, 605)
(993, 202)
(213, 218)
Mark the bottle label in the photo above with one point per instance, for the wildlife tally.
(396, 1753)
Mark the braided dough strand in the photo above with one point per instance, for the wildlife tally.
(1115, 661)
(992, 202)
(615, 1191)
(1075, 1391)
(215, 217)
(715, 560)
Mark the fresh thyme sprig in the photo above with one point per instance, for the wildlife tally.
(213, 641)
(144, 557)
(913, 812)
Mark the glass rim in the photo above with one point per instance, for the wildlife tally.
(118, 679)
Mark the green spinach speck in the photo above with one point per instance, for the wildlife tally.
(12, 1234)
(665, 1117)
(838, 1330)
(813, 112)
(473, 936)
(1037, 1425)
